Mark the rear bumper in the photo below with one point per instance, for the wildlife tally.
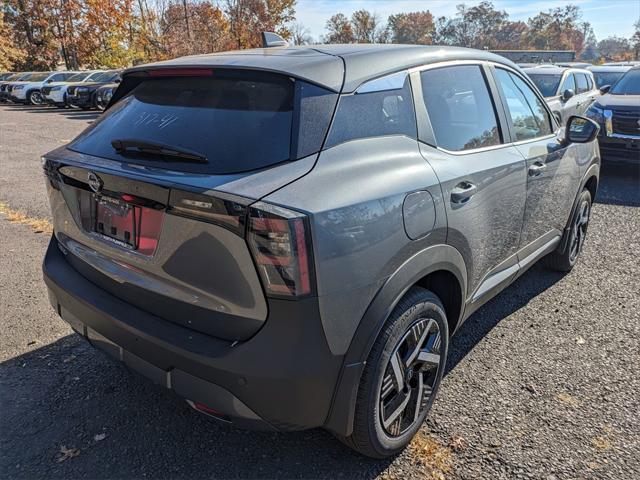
(620, 148)
(282, 378)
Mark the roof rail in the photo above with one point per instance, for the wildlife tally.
(270, 39)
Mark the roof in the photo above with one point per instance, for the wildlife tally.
(545, 70)
(610, 68)
(337, 67)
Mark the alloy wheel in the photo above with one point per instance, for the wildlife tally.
(579, 231)
(36, 98)
(410, 377)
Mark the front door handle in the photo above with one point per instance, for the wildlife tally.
(537, 169)
(462, 192)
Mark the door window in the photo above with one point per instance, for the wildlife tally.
(568, 84)
(528, 115)
(582, 84)
(460, 108)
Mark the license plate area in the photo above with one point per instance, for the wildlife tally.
(128, 225)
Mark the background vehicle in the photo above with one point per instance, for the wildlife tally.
(28, 91)
(290, 244)
(104, 94)
(84, 96)
(607, 74)
(55, 93)
(618, 114)
(4, 93)
(568, 91)
(5, 75)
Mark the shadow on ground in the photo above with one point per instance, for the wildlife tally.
(70, 113)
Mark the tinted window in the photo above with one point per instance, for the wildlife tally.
(629, 84)
(374, 114)
(568, 84)
(238, 121)
(606, 78)
(460, 109)
(546, 83)
(590, 82)
(581, 83)
(528, 115)
(78, 77)
(39, 77)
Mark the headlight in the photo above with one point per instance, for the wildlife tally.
(53, 89)
(595, 113)
(18, 87)
(107, 95)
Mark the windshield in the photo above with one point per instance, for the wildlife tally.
(93, 76)
(606, 78)
(39, 77)
(239, 121)
(546, 83)
(104, 76)
(77, 77)
(629, 84)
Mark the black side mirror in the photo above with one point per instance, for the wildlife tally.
(567, 94)
(605, 89)
(117, 80)
(580, 130)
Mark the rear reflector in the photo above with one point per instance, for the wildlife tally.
(280, 243)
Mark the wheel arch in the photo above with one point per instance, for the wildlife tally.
(439, 268)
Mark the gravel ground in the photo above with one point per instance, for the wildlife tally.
(542, 382)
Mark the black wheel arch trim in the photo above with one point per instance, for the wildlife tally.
(431, 259)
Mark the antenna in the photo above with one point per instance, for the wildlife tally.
(270, 39)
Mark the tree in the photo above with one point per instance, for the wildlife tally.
(249, 18)
(475, 27)
(300, 34)
(339, 30)
(10, 55)
(559, 29)
(614, 48)
(366, 27)
(635, 41)
(413, 28)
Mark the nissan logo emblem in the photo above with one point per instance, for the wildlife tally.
(95, 182)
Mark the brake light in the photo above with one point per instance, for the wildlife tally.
(181, 72)
(280, 243)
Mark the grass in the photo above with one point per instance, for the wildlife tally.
(38, 225)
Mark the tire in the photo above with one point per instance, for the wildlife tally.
(34, 97)
(418, 324)
(577, 232)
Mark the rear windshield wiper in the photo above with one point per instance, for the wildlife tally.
(126, 146)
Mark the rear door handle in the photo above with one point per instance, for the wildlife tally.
(462, 192)
(537, 169)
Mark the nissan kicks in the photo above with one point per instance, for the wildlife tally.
(288, 237)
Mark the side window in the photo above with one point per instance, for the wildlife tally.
(590, 82)
(568, 84)
(581, 81)
(528, 115)
(374, 114)
(460, 108)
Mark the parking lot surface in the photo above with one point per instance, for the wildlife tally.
(542, 382)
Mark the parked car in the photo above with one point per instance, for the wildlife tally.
(29, 90)
(568, 91)
(5, 75)
(618, 114)
(4, 84)
(84, 96)
(104, 94)
(291, 244)
(56, 93)
(607, 75)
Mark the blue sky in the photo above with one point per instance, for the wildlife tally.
(607, 17)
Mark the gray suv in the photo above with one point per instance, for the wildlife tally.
(289, 237)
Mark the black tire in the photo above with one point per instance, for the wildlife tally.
(577, 231)
(34, 97)
(406, 323)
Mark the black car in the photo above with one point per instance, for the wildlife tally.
(84, 96)
(608, 74)
(618, 113)
(104, 94)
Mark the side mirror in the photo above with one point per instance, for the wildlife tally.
(567, 94)
(580, 130)
(605, 89)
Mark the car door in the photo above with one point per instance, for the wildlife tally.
(583, 93)
(482, 176)
(553, 171)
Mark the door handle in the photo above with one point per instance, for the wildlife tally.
(462, 192)
(537, 169)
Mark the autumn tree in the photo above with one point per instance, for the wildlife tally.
(249, 18)
(339, 30)
(479, 26)
(413, 28)
(614, 48)
(559, 29)
(10, 54)
(300, 35)
(366, 27)
(635, 41)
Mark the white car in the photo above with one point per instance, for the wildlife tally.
(55, 93)
(28, 91)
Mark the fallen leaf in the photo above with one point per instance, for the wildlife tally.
(601, 443)
(580, 340)
(568, 399)
(67, 453)
(98, 437)
(458, 444)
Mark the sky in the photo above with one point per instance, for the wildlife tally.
(607, 17)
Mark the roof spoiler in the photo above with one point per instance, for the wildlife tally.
(270, 39)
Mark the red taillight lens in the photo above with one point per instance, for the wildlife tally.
(280, 243)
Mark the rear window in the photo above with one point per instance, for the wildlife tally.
(238, 122)
(546, 83)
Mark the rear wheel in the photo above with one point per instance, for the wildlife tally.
(577, 232)
(401, 376)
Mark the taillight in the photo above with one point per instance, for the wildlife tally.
(280, 242)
